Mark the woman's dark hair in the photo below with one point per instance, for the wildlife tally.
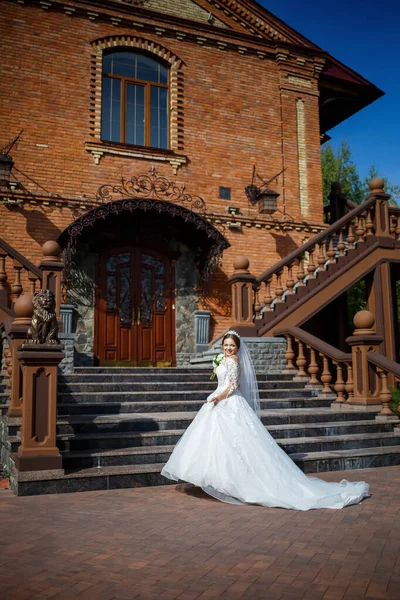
(233, 337)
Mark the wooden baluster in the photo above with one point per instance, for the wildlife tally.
(360, 230)
(385, 395)
(369, 224)
(311, 265)
(290, 355)
(268, 297)
(331, 251)
(349, 387)
(279, 288)
(341, 245)
(300, 272)
(290, 281)
(257, 306)
(351, 237)
(313, 368)
(326, 376)
(8, 362)
(301, 362)
(398, 229)
(33, 279)
(339, 385)
(392, 225)
(321, 255)
(16, 287)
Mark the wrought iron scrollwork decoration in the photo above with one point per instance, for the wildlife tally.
(152, 186)
(209, 261)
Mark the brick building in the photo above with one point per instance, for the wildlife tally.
(141, 124)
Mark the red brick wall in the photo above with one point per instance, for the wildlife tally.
(232, 120)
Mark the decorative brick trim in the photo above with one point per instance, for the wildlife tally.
(176, 83)
(302, 156)
(98, 149)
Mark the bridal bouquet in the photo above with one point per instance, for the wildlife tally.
(217, 360)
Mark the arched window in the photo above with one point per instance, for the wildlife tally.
(134, 100)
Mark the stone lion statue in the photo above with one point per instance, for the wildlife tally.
(44, 327)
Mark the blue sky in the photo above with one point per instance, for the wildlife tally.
(365, 35)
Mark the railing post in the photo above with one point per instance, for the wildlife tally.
(38, 450)
(40, 356)
(382, 222)
(17, 335)
(366, 384)
(52, 267)
(243, 285)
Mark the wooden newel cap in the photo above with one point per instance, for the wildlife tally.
(23, 310)
(376, 186)
(51, 250)
(241, 264)
(364, 322)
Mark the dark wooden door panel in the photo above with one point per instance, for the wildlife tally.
(134, 304)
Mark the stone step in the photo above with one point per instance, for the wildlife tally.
(135, 370)
(111, 440)
(160, 454)
(129, 476)
(68, 408)
(127, 386)
(154, 377)
(328, 429)
(182, 395)
(160, 421)
(4, 398)
(344, 460)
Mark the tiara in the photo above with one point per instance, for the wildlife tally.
(234, 333)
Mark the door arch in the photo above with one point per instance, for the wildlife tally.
(134, 307)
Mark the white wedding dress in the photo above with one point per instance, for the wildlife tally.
(229, 453)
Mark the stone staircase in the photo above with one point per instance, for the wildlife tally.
(117, 427)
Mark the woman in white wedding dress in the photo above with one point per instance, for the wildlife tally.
(229, 453)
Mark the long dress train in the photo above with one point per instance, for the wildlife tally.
(229, 453)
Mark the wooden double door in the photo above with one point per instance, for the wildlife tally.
(134, 319)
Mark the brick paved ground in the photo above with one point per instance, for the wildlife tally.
(174, 542)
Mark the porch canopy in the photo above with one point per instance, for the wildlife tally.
(124, 221)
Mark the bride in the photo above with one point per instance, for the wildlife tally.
(229, 453)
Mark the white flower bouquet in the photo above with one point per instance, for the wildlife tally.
(217, 360)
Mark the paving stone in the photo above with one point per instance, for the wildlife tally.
(175, 542)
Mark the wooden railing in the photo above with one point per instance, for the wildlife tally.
(373, 218)
(12, 260)
(360, 378)
(384, 367)
(323, 365)
(16, 306)
(260, 303)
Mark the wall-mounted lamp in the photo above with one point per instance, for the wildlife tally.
(233, 210)
(261, 194)
(6, 164)
(267, 201)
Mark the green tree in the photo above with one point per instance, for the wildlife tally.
(339, 166)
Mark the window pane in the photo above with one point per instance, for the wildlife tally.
(134, 130)
(120, 63)
(125, 296)
(151, 70)
(111, 110)
(159, 117)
